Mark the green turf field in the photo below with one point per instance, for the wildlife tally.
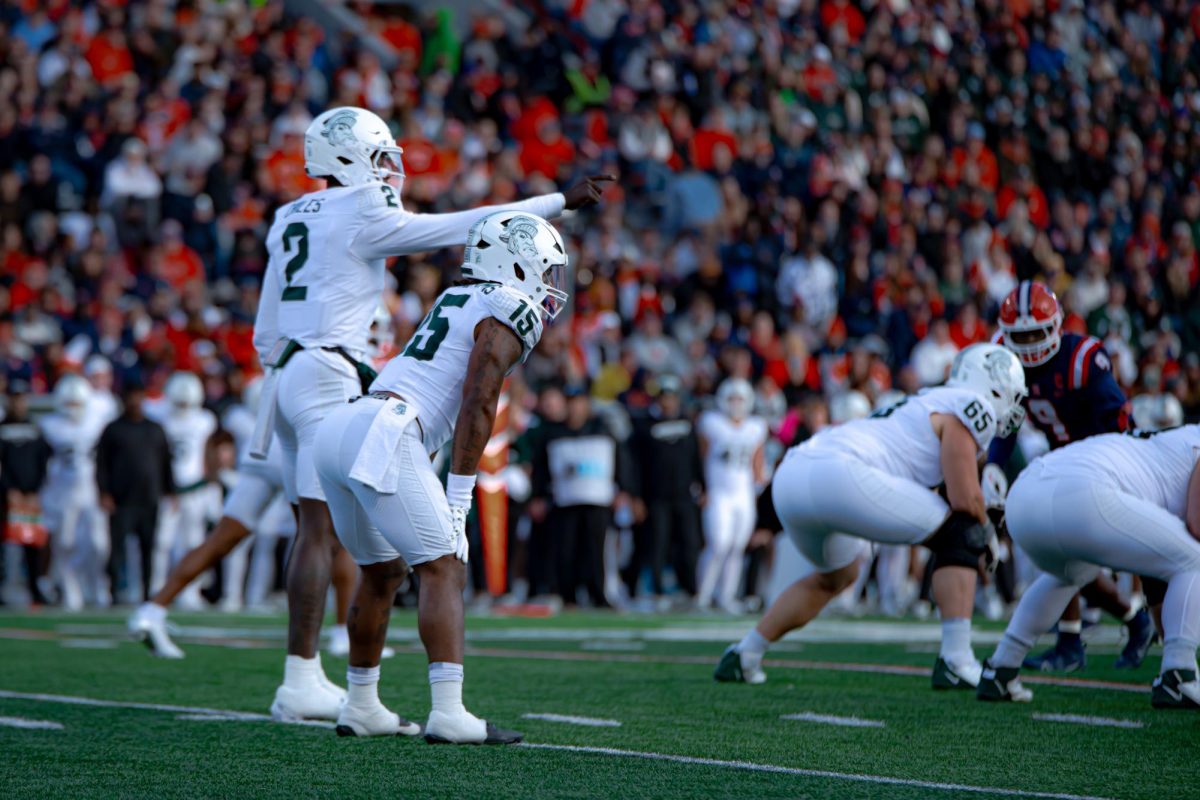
(196, 728)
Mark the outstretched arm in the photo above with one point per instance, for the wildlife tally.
(496, 350)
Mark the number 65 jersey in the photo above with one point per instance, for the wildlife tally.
(900, 439)
(430, 370)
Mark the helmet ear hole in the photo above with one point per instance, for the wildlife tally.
(520, 272)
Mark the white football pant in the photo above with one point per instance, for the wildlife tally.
(181, 528)
(246, 503)
(79, 544)
(313, 383)
(828, 503)
(728, 525)
(414, 523)
(1072, 527)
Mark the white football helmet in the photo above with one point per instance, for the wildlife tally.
(353, 146)
(184, 390)
(847, 406)
(995, 373)
(520, 250)
(735, 398)
(1154, 412)
(71, 396)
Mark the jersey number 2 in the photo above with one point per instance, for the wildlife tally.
(297, 233)
(429, 337)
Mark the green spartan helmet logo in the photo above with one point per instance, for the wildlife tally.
(338, 130)
(519, 234)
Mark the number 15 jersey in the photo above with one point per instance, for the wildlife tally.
(431, 369)
(327, 251)
(901, 440)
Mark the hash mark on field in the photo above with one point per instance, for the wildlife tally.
(830, 719)
(606, 646)
(30, 724)
(1081, 719)
(573, 720)
(806, 773)
(89, 644)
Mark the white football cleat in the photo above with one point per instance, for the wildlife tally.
(310, 702)
(466, 728)
(148, 624)
(374, 721)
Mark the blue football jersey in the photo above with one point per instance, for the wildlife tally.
(1072, 396)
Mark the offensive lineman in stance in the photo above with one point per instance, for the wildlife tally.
(373, 459)
(871, 479)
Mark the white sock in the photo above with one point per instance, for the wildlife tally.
(956, 640)
(299, 671)
(753, 643)
(363, 686)
(1181, 628)
(445, 686)
(154, 612)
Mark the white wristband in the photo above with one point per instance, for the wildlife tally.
(460, 489)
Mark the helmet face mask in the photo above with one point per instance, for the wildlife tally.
(1031, 320)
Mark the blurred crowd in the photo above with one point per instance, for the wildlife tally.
(815, 195)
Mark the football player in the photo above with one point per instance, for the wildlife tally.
(1072, 395)
(1129, 503)
(871, 479)
(324, 278)
(731, 445)
(373, 459)
(183, 519)
(70, 499)
(258, 483)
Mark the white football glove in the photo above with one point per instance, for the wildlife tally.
(458, 518)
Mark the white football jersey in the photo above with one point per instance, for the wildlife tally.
(188, 433)
(729, 460)
(1153, 466)
(900, 439)
(73, 442)
(430, 369)
(327, 254)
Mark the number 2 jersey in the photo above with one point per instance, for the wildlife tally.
(1155, 467)
(729, 459)
(327, 258)
(431, 369)
(901, 440)
(1072, 396)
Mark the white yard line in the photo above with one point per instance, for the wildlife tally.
(570, 719)
(1080, 719)
(89, 644)
(218, 713)
(829, 719)
(30, 724)
(806, 773)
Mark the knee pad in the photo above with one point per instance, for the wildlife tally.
(961, 540)
(1155, 590)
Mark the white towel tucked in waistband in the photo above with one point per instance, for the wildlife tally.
(264, 422)
(376, 464)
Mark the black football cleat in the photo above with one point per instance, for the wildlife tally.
(1002, 685)
(1176, 688)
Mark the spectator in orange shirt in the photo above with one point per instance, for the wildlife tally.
(283, 171)
(1024, 188)
(713, 132)
(546, 153)
(180, 264)
(840, 13)
(977, 152)
(109, 56)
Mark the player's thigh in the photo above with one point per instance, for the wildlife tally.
(310, 388)
(743, 517)
(1134, 535)
(249, 499)
(717, 517)
(843, 494)
(415, 520)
